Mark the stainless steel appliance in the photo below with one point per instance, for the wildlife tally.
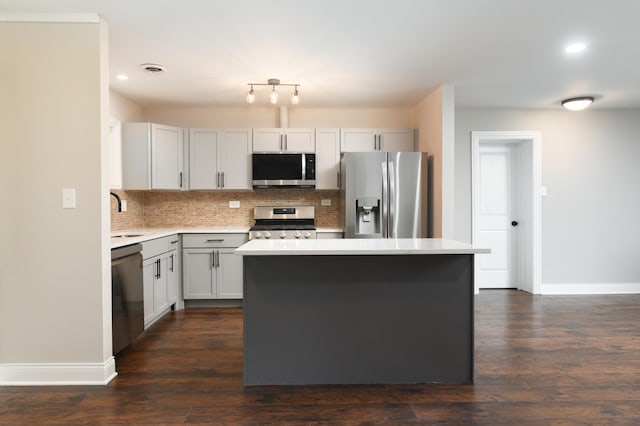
(289, 222)
(126, 295)
(283, 169)
(383, 194)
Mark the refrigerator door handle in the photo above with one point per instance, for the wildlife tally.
(392, 201)
(385, 196)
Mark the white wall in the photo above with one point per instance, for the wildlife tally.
(54, 270)
(590, 230)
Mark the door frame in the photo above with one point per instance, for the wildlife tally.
(531, 259)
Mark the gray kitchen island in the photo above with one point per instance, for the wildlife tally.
(358, 311)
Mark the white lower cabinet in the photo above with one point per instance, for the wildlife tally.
(160, 277)
(211, 269)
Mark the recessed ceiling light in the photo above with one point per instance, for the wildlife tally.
(122, 77)
(575, 47)
(153, 68)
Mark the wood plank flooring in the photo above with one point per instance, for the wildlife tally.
(539, 360)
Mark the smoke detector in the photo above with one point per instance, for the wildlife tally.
(153, 68)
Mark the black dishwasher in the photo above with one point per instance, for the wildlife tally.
(126, 295)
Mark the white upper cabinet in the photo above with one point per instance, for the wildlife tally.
(327, 159)
(152, 156)
(219, 158)
(234, 159)
(365, 140)
(278, 140)
(203, 158)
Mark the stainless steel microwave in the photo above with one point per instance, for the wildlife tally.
(284, 169)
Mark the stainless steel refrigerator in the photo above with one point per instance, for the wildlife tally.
(383, 194)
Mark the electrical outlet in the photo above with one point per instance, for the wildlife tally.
(234, 204)
(123, 204)
(325, 202)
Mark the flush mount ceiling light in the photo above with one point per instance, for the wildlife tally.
(273, 95)
(577, 104)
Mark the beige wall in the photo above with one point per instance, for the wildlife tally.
(254, 116)
(123, 108)
(52, 264)
(427, 118)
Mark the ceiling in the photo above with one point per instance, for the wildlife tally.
(369, 53)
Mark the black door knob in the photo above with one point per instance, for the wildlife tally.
(514, 223)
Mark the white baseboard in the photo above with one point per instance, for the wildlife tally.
(57, 374)
(589, 288)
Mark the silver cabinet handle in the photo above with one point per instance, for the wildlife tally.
(384, 200)
(338, 176)
(286, 142)
(216, 240)
(218, 180)
(222, 175)
(174, 242)
(392, 201)
(171, 263)
(180, 179)
(281, 142)
(218, 259)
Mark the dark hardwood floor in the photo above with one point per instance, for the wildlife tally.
(539, 360)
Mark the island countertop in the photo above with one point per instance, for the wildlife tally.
(350, 246)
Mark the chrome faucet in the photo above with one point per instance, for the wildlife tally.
(119, 201)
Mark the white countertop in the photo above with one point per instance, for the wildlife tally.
(358, 247)
(146, 234)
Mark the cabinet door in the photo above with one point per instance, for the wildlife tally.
(172, 277)
(199, 280)
(229, 274)
(160, 301)
(300, 140)
(397, 140)
(149, 272)
(267, 140)
(203, 158)
(166, 157)
(327, 159)
(234, 159)
(358, 140)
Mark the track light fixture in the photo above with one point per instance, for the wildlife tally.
(577, 104)
(273, 96)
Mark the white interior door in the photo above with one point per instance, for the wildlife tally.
(496, 208)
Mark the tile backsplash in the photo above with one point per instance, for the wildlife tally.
(157, 209)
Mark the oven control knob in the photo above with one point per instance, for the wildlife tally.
(267, 235)
(297, 234)
(283, 235)
(258, 235)
(307, 235)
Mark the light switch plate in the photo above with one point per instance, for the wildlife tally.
(68, 198)
(234, 204)
(543, 191)
(325, 202)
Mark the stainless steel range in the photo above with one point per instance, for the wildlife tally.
(290, 222)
